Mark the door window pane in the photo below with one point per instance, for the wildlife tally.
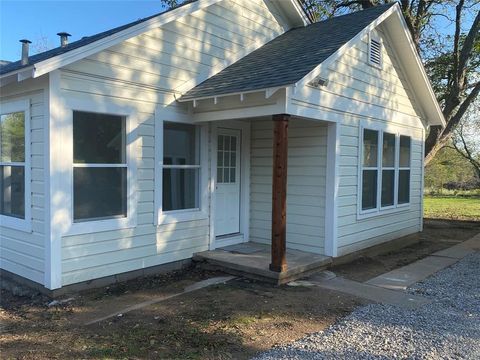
(12, 137)
(405, 144)
(404, 187)
(179, 144)
(98, 138)
(180, 189)
(388, 187)
(12, 191)
(370, 148)
(99, 193)
(388, 154)
(369, 189)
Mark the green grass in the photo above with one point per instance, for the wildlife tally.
(450, 207)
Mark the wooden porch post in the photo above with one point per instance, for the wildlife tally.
(279, 192)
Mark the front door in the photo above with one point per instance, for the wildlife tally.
(227, 211)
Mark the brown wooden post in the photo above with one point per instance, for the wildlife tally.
(279, 192)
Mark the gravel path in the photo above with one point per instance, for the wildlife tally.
(448, 328)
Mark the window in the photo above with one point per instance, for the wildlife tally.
(385, 170)
(99, 166)
(226, 159)
(181, 167)
(370, 169)
(375, 51)
(404, 171)
(12, 165)
(388, 170)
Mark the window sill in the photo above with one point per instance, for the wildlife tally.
(386, 211)
(15, 223)
(94, 226)
(181, 216)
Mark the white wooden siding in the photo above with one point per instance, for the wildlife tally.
(21, 252)
(143, 72)
(307, 149)
(359, 92)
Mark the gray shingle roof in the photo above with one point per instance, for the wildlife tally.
(17, 65)
(288, 58)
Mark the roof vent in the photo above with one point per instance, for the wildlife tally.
(63, 38)
(375, 52)
(318, 82)
(25, 46)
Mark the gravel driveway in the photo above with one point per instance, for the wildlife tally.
(447, 328)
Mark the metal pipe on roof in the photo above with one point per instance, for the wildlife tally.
(63, 38)
(25, 46)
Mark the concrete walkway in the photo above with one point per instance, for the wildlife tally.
(389, 288)
(402, 278)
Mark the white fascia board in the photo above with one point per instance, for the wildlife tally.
(298, 8)
(69, 57)
(420, 71)
(268, 91)
(15, 72)
(337, 54)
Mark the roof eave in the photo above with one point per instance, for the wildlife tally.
(269, 91)
(433, 112)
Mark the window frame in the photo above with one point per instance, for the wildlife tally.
(116, 223)
(200, 212)
(186, 167)
(409, 168)
(12, 222)
(379, 209)
(123, 165)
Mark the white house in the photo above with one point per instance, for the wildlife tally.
(151, 142)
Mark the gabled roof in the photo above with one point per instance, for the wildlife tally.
(52, 59)
(32, 60)
(288, 58)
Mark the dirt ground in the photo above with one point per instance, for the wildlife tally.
(228, 321)
(437, 235)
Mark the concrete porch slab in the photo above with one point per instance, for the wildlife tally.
(252, 260)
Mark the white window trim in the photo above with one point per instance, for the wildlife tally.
(131, 120)
(373, 36)
(379, 210)
(174, 216)
(25, 224)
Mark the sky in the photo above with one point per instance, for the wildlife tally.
(39, 21)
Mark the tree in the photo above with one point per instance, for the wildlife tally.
(452, 60)
(466, 138)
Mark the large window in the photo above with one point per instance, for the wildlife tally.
(99, 166)
(385, 170)
(181, 167)
(12, 165)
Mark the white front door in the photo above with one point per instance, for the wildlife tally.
(227, 211)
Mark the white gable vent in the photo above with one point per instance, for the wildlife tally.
(375, 51)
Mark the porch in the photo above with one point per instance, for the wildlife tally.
(272, 186)
(252, 260)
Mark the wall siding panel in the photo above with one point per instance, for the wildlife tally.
(144, 72)
(307, 143)
(23, 253)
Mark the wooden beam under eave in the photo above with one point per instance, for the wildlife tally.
(279, 192)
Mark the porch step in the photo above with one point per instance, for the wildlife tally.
(251, 260)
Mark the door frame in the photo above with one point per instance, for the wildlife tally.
(244, 127)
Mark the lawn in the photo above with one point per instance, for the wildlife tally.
(451, 207)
